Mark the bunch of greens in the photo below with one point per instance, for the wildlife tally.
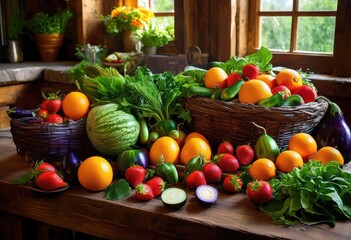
(43, 23)
(261, 59)
(312, 194)
(154, 96)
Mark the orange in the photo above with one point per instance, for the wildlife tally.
(75, 105)
(196, 135)
(288, 160)
(262, 169)
(193, 148)
(327, 154)
(253, 91)
(95, 173)
(164, 149)
(215, 77)
(304, 144)
(289, 78)
(269, 79)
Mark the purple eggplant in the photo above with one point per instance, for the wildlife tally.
(333, 131)
(131, 157)
(20, 113)
(70, 164)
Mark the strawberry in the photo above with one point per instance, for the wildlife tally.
(195, 179)
(232, 183)
(212, 172)
(233, 78)
(308, 93)
(54, 118)
(245, 154)
(44, 104)
(45, 167)
(251, 71)
(143, 192)
(50, 181)
(43, 113)
(135, 175)
(225, 147)
(227, 162)
(157, 185)
(53, 103)
(259, 191)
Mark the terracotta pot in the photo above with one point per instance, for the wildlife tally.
(49, 46)
(130, 42)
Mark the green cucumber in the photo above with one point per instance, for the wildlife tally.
(293, 100)
(230, 93)
(198, 91)
(216, 94)
(271, 101)
(174, 198)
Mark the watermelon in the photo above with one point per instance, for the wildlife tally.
(111, 130)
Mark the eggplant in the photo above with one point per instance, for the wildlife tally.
(333, 131)
(206, 194)
(70, 165)
(20, 113)
(131, 157)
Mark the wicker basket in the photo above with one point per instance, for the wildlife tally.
(50, 141)
(231, 121)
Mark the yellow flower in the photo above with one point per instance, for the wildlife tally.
(126, 18)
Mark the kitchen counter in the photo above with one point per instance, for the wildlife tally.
(233, 215)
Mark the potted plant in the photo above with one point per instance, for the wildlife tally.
(48, 32)
(155, 35)
(16, 27)
(127, 20)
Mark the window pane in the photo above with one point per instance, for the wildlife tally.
(276, 5)
(162, 5)
(165, 21)
(275, 33)
(318, 5)
(316, 34)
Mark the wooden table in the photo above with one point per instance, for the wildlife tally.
(88, 212)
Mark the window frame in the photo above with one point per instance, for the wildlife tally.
(317, 62)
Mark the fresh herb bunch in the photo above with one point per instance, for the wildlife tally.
(312, 194)
(157, 35)
(156, 96)
(43, 23)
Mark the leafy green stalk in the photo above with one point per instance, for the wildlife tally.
(312, 194)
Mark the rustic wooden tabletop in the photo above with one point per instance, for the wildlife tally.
(77, 209)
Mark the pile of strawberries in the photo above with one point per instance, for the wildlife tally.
(50, 108)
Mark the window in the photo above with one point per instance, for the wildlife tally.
(163, 10)
(300, 33)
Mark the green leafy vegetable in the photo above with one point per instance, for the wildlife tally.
(312, 194)
(261, 58)
(24, 178)
(117, 190)
(156, 96)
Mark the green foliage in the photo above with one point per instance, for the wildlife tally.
(118, 190)
(43, 23)
(16, 27)
(312, 194)
(156, 35)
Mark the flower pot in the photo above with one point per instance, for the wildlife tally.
(15, 53)
(49, 46)
(150, 50)
(130, 42)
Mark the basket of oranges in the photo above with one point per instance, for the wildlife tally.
(284, 104)
(53, 130)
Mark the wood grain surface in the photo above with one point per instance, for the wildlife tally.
(77, 209)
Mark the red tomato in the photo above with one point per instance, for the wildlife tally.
(259, 191)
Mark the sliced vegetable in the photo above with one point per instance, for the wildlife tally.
(206, 194)
(174, 198)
